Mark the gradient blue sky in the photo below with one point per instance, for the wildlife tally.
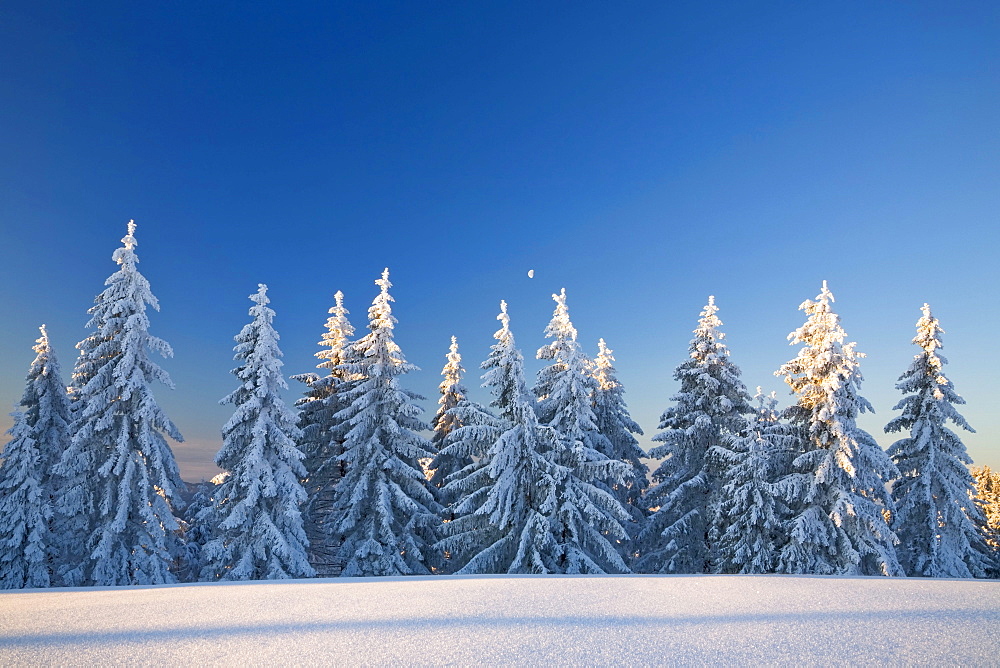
(641, 155)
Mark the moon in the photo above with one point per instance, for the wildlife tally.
(531, 273)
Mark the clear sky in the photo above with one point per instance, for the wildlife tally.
(641, 155)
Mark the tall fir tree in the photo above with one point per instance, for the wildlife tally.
(565, 390)
(259, 534)
(938, 525)
(476, 431)
(988, 499)
(837, 491)
(384, 514)
(322, 437)
(447, 420)
(748, 529)
(498, 524)
(75, 509)
(28, 486)
(710, 409)
(121, 477)
(614, 422)
(519, 509)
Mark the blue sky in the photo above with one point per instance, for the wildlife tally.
(641, 155)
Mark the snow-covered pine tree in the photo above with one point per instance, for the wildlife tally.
(471, 440)
(519, 510)
(322, 437)
(938, 526)
(988, 499)
(499, 525)
(260, 534)
(120, 473)
(710, 409)
(468, 530)
(837, 492)
(384, 514)
(28, 487)
(74, 508)
(565, 391)
(616, 424)
(748, 529)
(198, 522)
(447, 420)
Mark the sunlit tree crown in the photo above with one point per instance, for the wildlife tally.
(837, 493)
(826, 374)
(338, 333)
(604, 367)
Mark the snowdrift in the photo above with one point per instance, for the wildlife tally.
(609, 620)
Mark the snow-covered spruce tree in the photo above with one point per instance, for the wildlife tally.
(74, 507)
(938, 525)
(748, 529)
(565, 390)
(384, 514)
(988, 499)
(322, 437)
(616, 424)
(469, 531)
(198, 522)
(710, 409)
(519, 508)
(447, 420)
(120, 474)
(471, 440)
(27, 485)
(837, 492)
(259, 535)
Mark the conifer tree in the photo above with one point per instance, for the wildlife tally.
(479, 536)
(938, 526)
(837, 490)
(199, 523)
(121, 476)
(988, 500)
(384, 513)
(74, 509)
(616, 424)
(521, 508)
(446, 421)
(27, 485)
(748, 529)
(322, 437)
(710, 409)
(259, 535)
(565, 391)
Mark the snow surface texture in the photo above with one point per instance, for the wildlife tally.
(539, 620)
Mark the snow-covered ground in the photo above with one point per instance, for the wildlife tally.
(610, 620)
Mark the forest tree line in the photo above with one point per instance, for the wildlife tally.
(547, 478)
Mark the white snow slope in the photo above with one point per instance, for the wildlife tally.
(583, 620)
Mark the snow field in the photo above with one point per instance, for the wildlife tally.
(502, 620)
